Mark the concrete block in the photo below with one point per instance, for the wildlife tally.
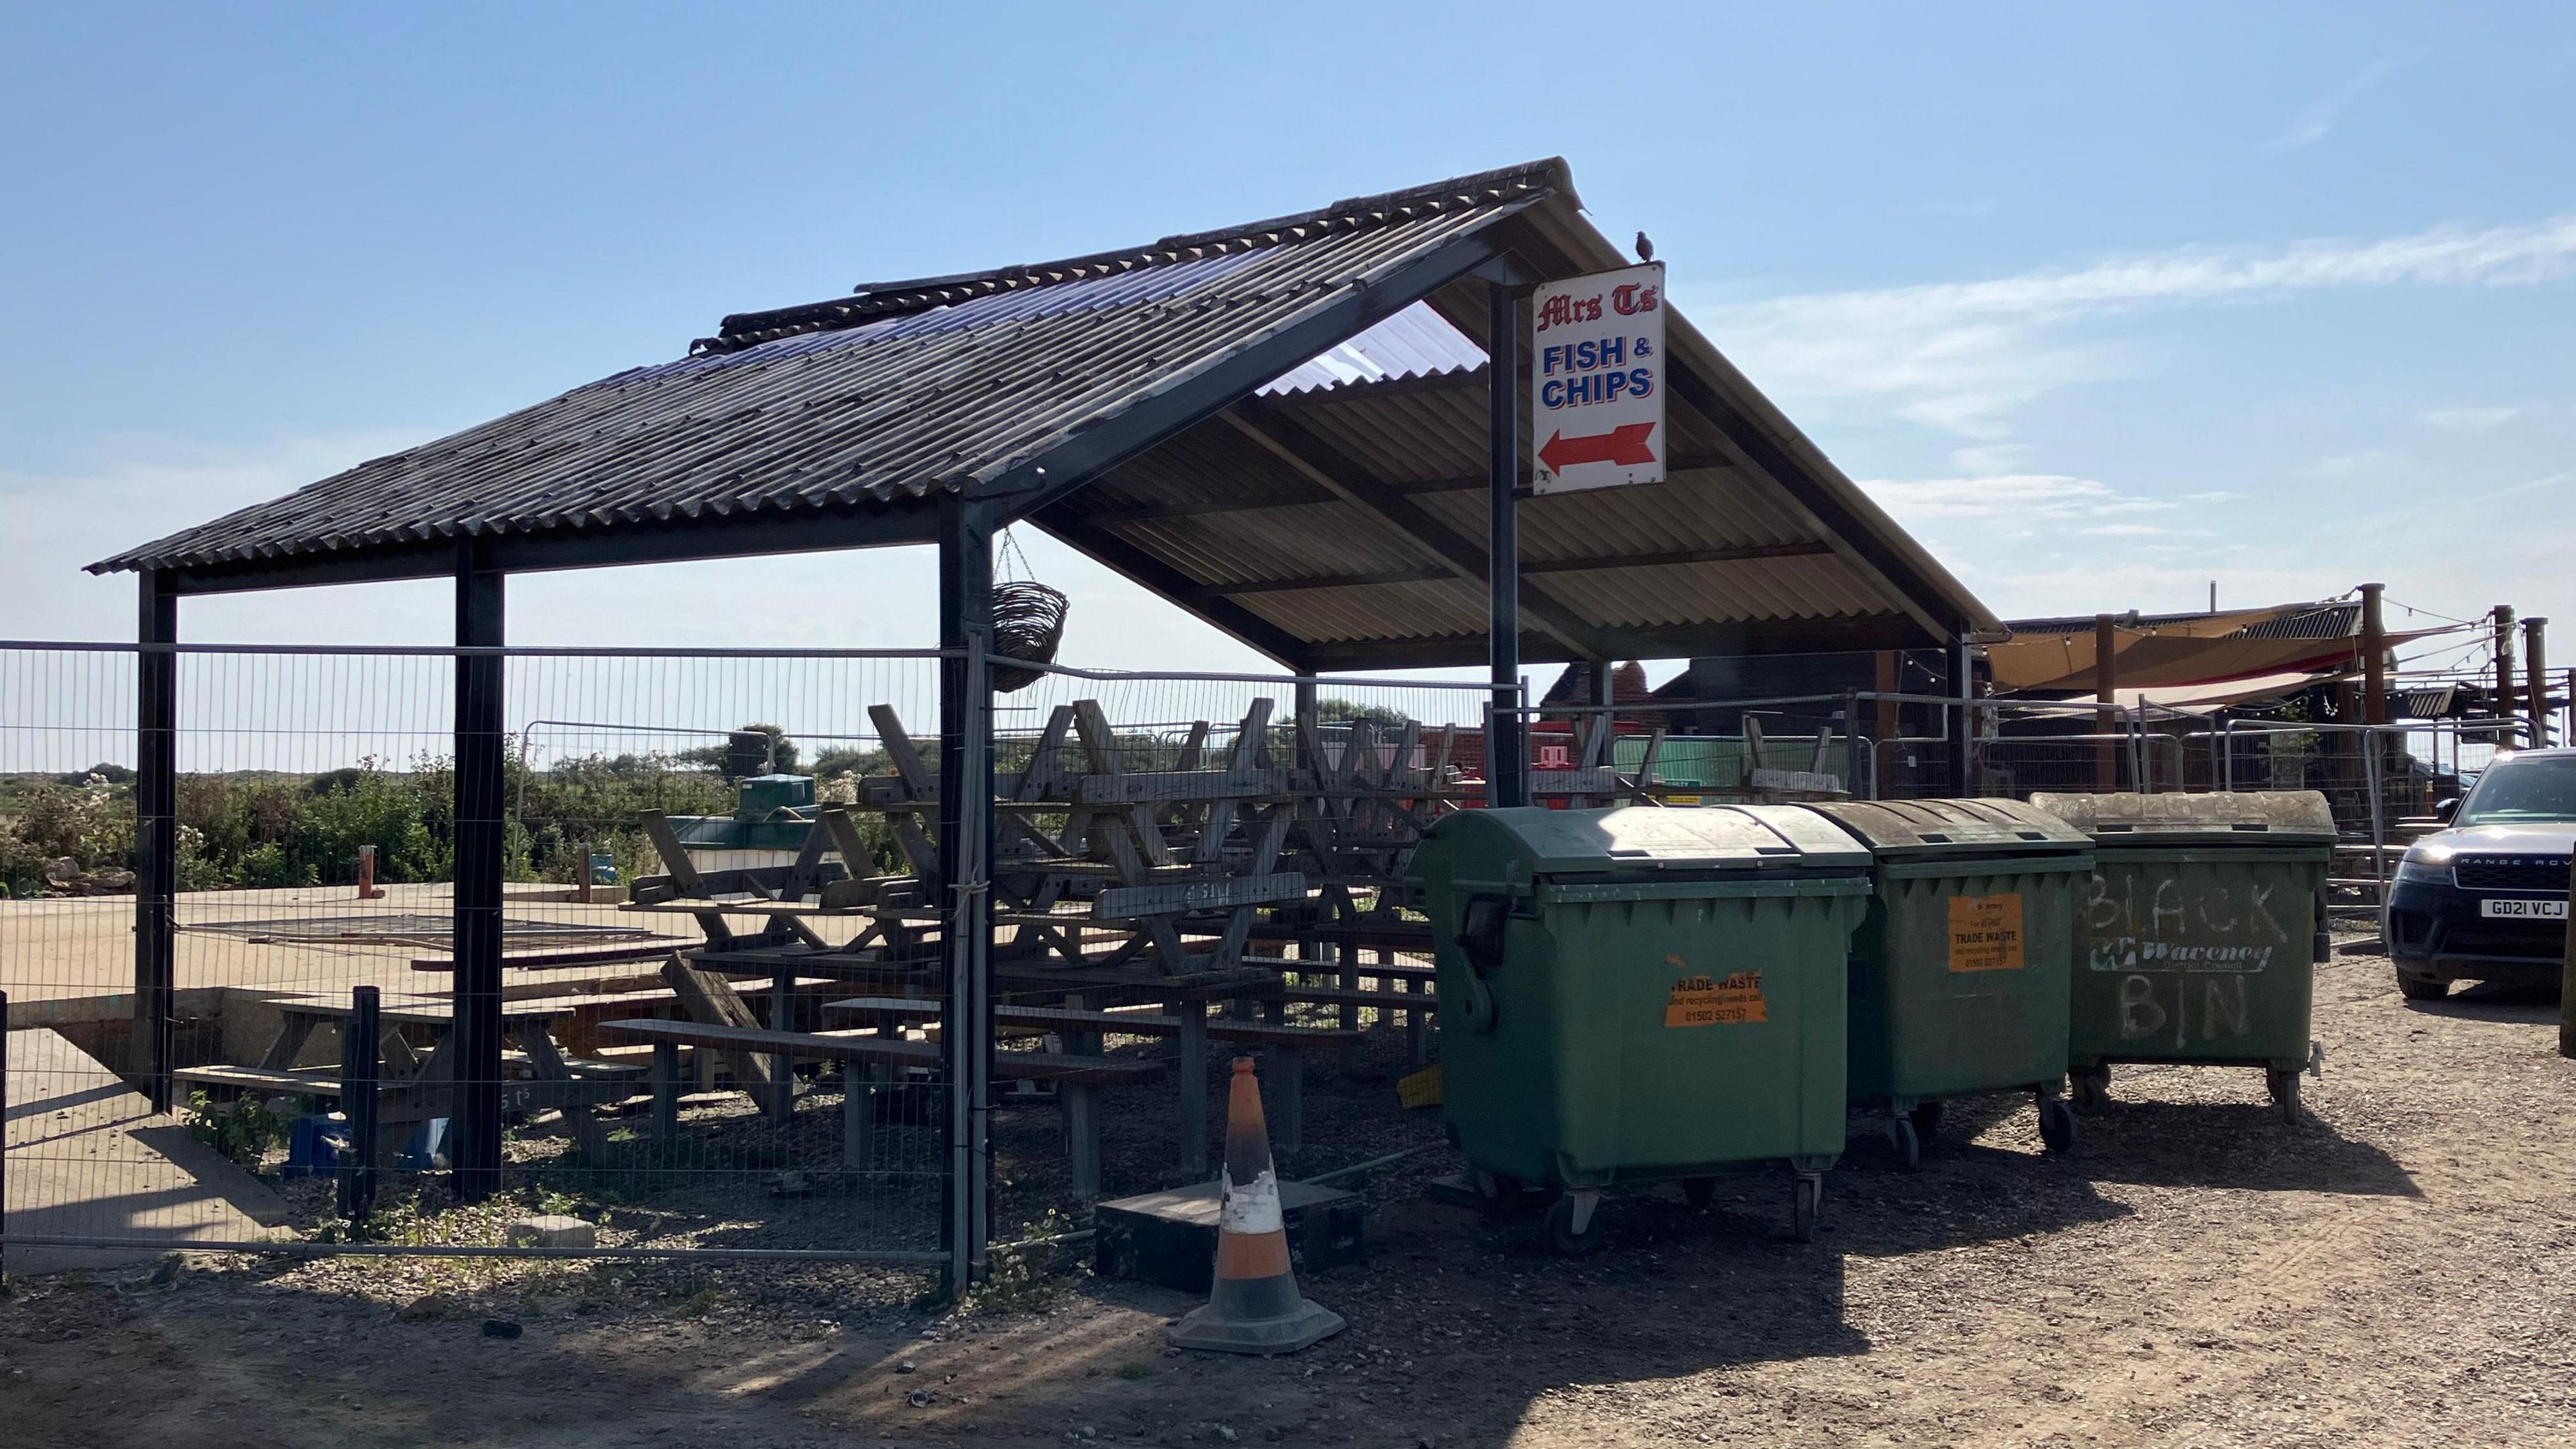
(552, 1231)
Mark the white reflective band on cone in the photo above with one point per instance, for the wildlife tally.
(1251, 1208)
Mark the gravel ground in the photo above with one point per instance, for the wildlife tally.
(2399, 1268)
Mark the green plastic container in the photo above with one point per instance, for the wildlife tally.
(1638, 994)
(1960, 971)
(1717, 763)
(2197, 936)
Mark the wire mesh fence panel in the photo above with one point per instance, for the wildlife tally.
(722, 937)
(316, 812)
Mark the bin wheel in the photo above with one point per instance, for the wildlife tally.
(1907, 1142)
(1501, 1194)
(2090, 1087)
(1564, 1239)
(2284, 1087)
(1699, 1191)
(1806, 1194)
(2056, 1125)
(1927, 1119)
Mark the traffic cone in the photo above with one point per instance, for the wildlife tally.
(1255, 1306)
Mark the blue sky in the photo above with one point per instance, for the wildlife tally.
(2105, 302)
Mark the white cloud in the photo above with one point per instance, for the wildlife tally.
(1963, 357)
(2012, 496)
(2316, 120)
(2346, 465)
(2471, 419)
(2121, 530)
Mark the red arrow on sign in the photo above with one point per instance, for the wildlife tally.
(1624, 446)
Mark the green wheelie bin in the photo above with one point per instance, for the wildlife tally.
(2197, 937)
(1960, 970)
(1641, 994)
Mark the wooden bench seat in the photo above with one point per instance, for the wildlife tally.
(1388, 970)
(262, 1079)
(863, 1057)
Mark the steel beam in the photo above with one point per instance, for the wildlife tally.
(482, 808)
(1033, 482)
(1507, 737)
(1158, 577)
(810, 530)
(965, 855)
(1672, 558)
(1324, 464)
(1690, 641)
(156, 838)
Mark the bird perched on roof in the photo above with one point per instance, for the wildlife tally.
(1645, 248)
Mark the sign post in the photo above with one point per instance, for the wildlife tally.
(1597, 380)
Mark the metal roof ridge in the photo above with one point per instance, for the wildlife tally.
(873, 301)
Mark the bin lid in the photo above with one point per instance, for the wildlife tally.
(1644, 838)
(1946, 827)
(2224, 817)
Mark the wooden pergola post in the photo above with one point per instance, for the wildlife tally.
(2504, 681)
(2536, 677)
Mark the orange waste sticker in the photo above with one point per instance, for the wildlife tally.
(1985, 933)
(1717, 1001)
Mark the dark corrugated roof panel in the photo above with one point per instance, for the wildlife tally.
(898, 392)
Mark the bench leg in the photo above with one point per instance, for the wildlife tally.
(1082, 1135)
(1288, 1072)
(782, 1068)
(1192, 1070)
(858, 1115)
(1349, 957)
(666, 1089)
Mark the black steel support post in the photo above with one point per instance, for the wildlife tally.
(474, 1126)
(965, 856)
(1507, 741)
(1963, 725)
(361, 1042)
(156, 839)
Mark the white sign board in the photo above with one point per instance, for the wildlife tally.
(1597, 380)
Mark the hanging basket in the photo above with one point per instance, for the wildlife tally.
(1028, 623)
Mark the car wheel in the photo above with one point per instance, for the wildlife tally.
(2422, 988)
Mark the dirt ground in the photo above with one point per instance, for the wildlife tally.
(2399, 1268)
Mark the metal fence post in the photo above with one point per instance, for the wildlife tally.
(2370, 740)
(4, 1139)
(1855, 751)
(359, 1047)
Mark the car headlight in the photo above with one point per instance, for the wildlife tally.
(2428, 862)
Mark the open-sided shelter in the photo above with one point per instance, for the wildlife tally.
(1159, 408)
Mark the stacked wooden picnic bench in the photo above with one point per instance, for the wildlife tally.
(1129, 886)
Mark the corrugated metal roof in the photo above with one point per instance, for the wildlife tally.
(1416, 342)
(906, 389)
(902, 390)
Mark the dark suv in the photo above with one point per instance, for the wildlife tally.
(2486, 899)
